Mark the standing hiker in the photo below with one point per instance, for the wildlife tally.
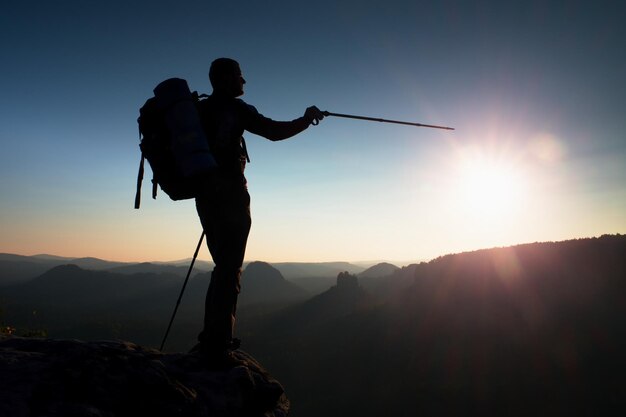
(223, 204)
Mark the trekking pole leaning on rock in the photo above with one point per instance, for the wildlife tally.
(195, 255)
(376, 119)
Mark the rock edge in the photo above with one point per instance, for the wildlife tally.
(72, 378)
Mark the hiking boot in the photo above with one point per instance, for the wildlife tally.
(222, 361)
(218, 359)
(234, 344)
(203, 347)
(231, 360)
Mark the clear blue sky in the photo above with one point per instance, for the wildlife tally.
(535, 90)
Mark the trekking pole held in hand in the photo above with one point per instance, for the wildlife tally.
(376, 119)
(195, 255)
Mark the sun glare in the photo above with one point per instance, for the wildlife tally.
(488, 188)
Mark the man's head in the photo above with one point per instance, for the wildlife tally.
(225, 76)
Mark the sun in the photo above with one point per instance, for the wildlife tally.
(488, 187)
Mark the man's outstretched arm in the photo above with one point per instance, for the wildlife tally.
(276, 130)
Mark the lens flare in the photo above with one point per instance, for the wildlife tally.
(547, 148)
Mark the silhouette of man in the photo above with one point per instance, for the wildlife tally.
(223, 205)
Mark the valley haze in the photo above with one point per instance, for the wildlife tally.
(532, 329)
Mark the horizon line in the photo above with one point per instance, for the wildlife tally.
(355, 262)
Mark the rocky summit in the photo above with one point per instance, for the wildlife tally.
(71, 378)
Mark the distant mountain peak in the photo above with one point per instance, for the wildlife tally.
(52, 257)
(260, 264)
(380, 270)
(263, 271)
(347, 281)
(262, 282)
(65, 268)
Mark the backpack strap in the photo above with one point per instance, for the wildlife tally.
(154, 188)
(245, 149)
(139, 181)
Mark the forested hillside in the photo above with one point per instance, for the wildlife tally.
(534, 329)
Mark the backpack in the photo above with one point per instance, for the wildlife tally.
(173, 141)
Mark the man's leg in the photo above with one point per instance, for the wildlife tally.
(226, 221)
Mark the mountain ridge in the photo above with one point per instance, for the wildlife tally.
(531, 329)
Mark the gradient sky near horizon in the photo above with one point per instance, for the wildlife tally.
(535, 90)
